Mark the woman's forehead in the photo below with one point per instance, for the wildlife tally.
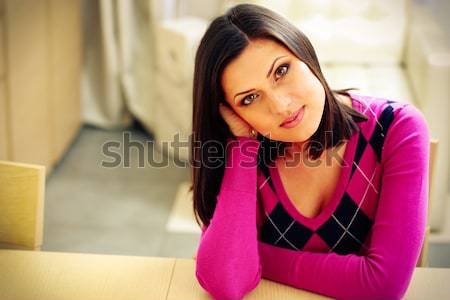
(252, 64)
(256, 53)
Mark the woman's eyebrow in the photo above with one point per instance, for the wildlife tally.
(268, 74)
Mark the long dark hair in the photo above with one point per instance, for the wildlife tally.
(226, 37)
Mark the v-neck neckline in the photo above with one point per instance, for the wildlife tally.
(328, 210)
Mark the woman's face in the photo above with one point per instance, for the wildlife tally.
(267, 84)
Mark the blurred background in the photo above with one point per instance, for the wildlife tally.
(84, 82)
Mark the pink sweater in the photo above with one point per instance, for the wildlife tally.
(364, 244)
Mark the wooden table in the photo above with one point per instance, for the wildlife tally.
(57, 275)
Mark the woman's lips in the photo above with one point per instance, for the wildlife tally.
(294, 120)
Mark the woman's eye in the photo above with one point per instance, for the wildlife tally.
(282, 70)
(249, 97)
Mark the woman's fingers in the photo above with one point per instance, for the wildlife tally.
(227, 114)
(237, 125)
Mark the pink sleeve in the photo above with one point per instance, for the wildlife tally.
(398, 230)
(227, 263)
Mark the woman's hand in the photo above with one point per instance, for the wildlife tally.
(237, 125)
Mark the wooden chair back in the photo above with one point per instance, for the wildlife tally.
(422, 262)
(22, 188)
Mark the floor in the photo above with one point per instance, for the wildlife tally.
(94, 209)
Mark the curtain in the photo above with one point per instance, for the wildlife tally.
(118, 60)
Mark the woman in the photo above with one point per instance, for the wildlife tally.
(318, 189)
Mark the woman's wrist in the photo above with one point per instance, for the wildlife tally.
(242, 155)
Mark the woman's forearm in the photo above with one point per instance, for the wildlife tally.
(227, 262)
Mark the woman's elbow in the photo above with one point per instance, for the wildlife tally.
(394, 288)
(384, 294)
(386, 289)
(373, 294)
(227, 287)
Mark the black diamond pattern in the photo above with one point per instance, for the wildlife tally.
(377, 138)
(362, 143)
(298, 235)
(347, 245)
(345, 210)
(379, 134)
(331, 231)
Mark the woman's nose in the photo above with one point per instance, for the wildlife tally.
(279, 104)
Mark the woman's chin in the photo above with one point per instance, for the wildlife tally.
(297, 134)
(292, 138)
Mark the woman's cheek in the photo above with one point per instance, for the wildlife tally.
(307, 88)
(316, 86)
